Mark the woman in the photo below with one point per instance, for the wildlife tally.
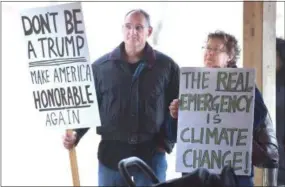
(222, 51)
(280, 104)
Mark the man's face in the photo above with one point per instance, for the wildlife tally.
(136, 30)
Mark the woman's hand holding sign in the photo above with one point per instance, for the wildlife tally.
(173, 108)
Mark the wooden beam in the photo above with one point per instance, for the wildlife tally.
(252, 36)
(252, 51)
(269, 71)
(259, 35)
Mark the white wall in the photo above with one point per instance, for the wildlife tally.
(280, 19)
(31, 155)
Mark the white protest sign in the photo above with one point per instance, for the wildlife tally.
(215, 122)
(59, 66)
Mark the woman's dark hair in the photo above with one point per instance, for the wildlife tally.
(231, 44)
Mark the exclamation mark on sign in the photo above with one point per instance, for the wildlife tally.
(246, 162)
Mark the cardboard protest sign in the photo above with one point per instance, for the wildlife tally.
(59, 66)
(215, 123)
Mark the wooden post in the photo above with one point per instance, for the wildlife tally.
(259, 35)
(73, 164)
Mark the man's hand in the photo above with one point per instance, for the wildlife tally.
(69, 140)
(173, 108)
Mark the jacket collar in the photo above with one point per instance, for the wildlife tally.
(148, 56)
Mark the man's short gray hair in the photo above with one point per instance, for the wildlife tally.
(141, 11)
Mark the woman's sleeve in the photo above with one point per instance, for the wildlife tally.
(265, 146)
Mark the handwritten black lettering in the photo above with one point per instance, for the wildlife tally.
(71, 22)
(233, 82)
(197, 79)
(31, 49)
(40, 76)
(215, 136)
(39, 24)
(60, 98)
(217, 103)
(212, 159)
(62, 46)
(67, 117)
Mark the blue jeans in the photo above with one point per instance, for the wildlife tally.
(109, 177)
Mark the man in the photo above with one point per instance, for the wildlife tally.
(135, 85)
(280, 107)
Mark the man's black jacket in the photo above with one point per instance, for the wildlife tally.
(133, 105)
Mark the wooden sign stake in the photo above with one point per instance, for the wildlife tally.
(73, 164)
